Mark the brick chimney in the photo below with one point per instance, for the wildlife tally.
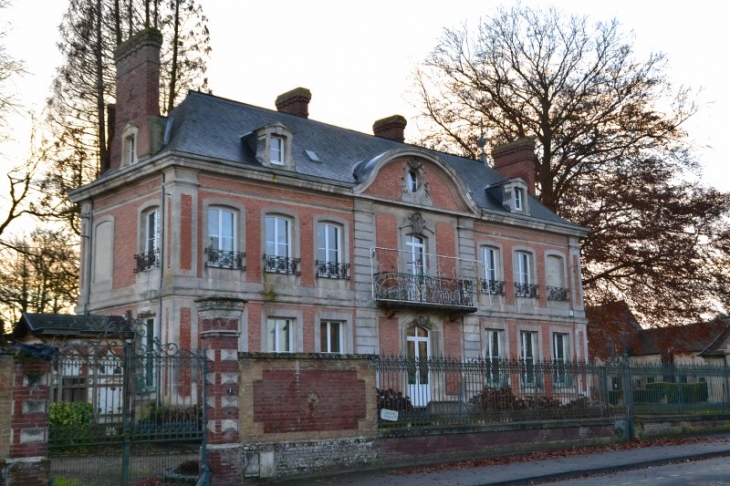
(138, 93)
(294, 102)
(517, 159)
(391, 128)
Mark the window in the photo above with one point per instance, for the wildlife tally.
(416, 255)
(523, 275)
(560, 358)
(412, 181)
(519, 196)
(148, 350)
(222, 237)
(279, 335)
(278, 247)
(528, 347)
(150, 256)
(129, 145)
(277, 150)
(330, 337)
(329, 254)
(493, 356)
(492, 283)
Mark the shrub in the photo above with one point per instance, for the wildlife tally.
(392, 400)
(70, 413)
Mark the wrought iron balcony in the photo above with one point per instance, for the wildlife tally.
(224, 259)
(406, 288)
(493, 287)
(332, 270)
(147, 261)
(528, 291)
(557, 293)
(283, 265)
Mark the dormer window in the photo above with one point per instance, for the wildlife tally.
(519, 196)
(129, 145)
(415, 184)
(272, 145)
(277, 150)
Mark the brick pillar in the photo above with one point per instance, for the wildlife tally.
(27, 463)
(220, 327)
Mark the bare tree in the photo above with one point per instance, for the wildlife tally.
(611, 151)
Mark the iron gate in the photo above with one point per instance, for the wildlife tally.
(126, 409)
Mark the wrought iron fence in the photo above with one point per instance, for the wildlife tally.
(280, 264)
(135, 403)
(446, 391)
(225, 259)
(324, 269)
(146, 261)
(424, 289)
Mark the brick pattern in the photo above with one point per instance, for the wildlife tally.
(308, 401)
(29, 422)
(300, 397)
(186, 232)
(6, 400)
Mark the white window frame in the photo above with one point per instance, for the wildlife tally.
(217, 241)
(492, 271)
(152, 230)
(528, 347)
(325, 252)
(493, 354)
(416, 254)
(129, 145)
(518, 195)
(275, 326)
(327, 339)
(523, 267)
(274, 245)
(276, 150)
(561, 356)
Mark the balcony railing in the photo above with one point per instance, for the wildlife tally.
(557, 293)
(282, 265)
(224, 259)
(423, 289)
(493, 287)
(332, 270)
(147, 261)
(528, 291)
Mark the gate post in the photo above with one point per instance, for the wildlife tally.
(27, 463)
(219, 327)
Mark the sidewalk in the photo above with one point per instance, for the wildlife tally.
(521, 472)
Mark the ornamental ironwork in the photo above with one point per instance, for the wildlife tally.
(332, 270)
(528, 291)
(280, 264)
(557, 293)
(147, 261)
(493, 287)
(224, 259)
(424, 289)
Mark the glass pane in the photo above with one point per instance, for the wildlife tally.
(323, 339)
(213, 222)
(322, 242)
(332, 244)
(270, 236)
(284, 337)
(335, 337)
(227, 223)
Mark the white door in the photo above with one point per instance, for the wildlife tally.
(419, 350)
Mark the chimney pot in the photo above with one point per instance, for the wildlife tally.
(391, 128)
(294, 102)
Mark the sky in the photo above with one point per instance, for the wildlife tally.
(358, 58)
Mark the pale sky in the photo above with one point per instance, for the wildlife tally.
(357, 57)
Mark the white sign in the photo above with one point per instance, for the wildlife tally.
(391, 415)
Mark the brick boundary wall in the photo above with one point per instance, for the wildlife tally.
(24, 395)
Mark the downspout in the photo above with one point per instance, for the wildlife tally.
(89, 259)
(162, 254)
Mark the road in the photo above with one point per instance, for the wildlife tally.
(709, 472)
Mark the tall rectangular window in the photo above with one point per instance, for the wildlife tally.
(330, 338)
(222, 238)
(152, 233)
(524, 275)
(560, 359)
(528, 348)
(279, 335)
(519, 197)
(492, 282)
(493, 356)
(329, 243)
(416, 255)
(277, 236)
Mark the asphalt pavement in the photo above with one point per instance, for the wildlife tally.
(524, 471)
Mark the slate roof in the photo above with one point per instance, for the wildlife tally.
(40, 325)
(701, 338)
(211, 127)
